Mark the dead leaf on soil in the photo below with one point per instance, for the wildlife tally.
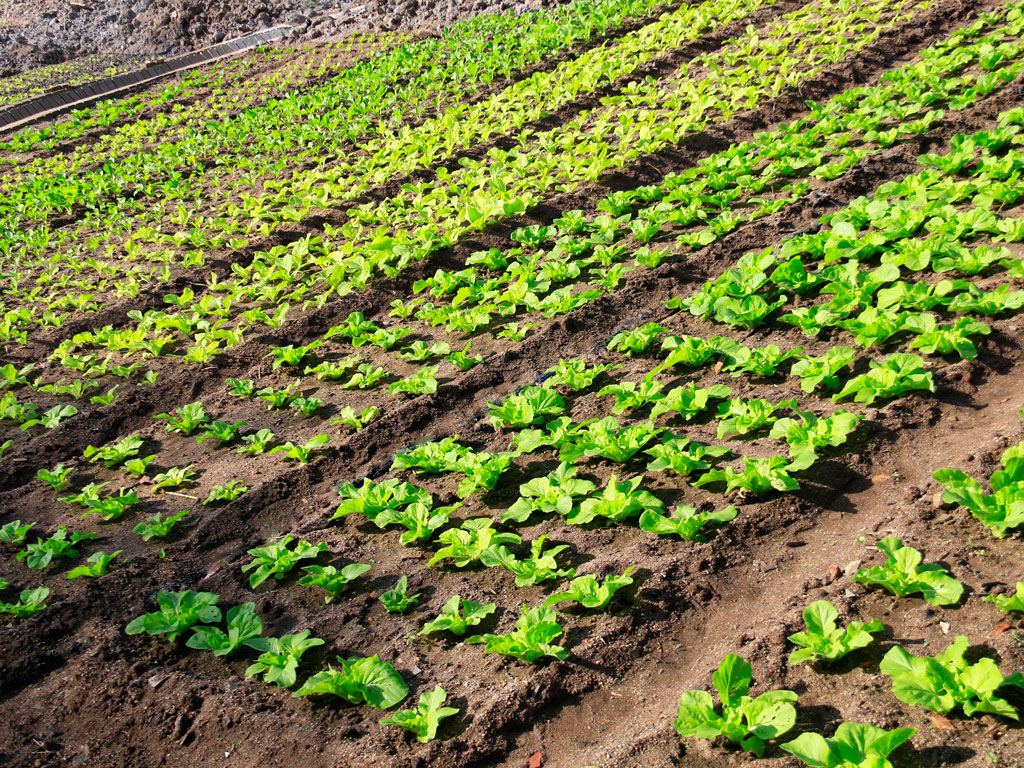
(536, 760)
(718, 366)
(833, 572)
(879, 479)
(1001, 627)
(940, 721)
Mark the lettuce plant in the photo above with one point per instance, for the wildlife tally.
(854, 745)
(457, 616)
(556, 492)
(632, 395)
(744, 721)
(618, 501)
(277, 559)
(99, 565)
(1006, 603)
(636, 340)
(139, 466)
(116, 453)
(360, 680)
(591, 593)
(824, 640)
(178, 611)
(14, 532)
(420, 383)
(174, 477)
(398, 600)
(823, 371)
(759, 476)
(742, 417)
(419, 520)
(902, 574)
(689, 400)
(51, 418)
(892, 377)
(186, 419)
(682, 456)
(30, 601)
(527, 407)
(605, 438)
(357, 421)
(156, 526)
(533, 637)
(230, 491)
(807, 436)
(685, 522)
(947, 680)
(330, 579)
(39, 554)
(244, 629)
(302, 453)
(1003, 509)
(257, 443)
(222, 431)
(467, 543)
(371, 499)
(575, 374)
(279, 661)
(539, 566)
(425, 719)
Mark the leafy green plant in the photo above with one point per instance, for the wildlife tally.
(56, 478)
(302, 453)
(158, 527)
(99, 565)
(357, 421)
(617, 501)
(745, 721)
(457, 616)
(277, 559)
(244, 629)
(112, 507)
(854, 745)
(174, 477)
(222, 431)
(279, 661)
(256, 444)
(533, 637)
(241, 388)
(51, 418)
(139, 466)
(946, 681)
(116, 453)
(330, 579)
(291, 355)
(42, 552)
(425, 719)
(807, 436)
(683, 456)
(1006, 603)
(371, 499)
(278, 398)
(230, 491)
(685, 521)
(178, 612)
(631, 395)
(359, 680)
(186, 419)
(398, 600)
(689, 400)
(605, 438)
(462, 360)
(636, 340)
(14, 532)
(556, 492)
(30, 601)
(591, 593)
(467, 543)
(823, 371)
(759, 476)
(742, 417)
(539, 566)
(575, 374)
(526, 407)
(824, 640)
(898, 374)
(419, 520)
(902, 574)
(1003, 509)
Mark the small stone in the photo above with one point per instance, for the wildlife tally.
(156, 681)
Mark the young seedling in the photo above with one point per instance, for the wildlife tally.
(244, 629)
(157, 527)
(178, 612)
(99, 565)
(855, 745)
(302, 453)
(685, 522)
(745, 721)
(824, 640)
(457, 616)
(30, 601)
(398, 600)
(277, 559)
(424, 720)
(533, 638)
(591, 593)
(902, 574)
(330, 579)
(186, 419)
(279, 661)
(357, 421)
(230, 491)
(256, 444)
(359, 681)
(39, 554)
(14, 532)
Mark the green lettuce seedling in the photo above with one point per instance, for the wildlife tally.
(1003, 509)
(14, 532)
(855, 745)
(745, 721)
(330, 579)
(244, 629)
(279, 661)
(1006, 603)
(685, 522)
(30, 601)
(902, 574)
(230, 491)
(424, 720)
(302, 453)
(398, 600)
(457, 616)
(556, 492)
(39, 554)
(526, 407)
(99, 565)
(368, 680)
(277, 559)
(591, 593)
(946, 681)
(419, 520)
(186, 419)
(539, 566)
(890, 378)
(56, 478)
(371, 499)
(467, 543)
(178, 612)
(533, 638)
(156, 527)
(617, 501)
(823, 639)
(682, 456)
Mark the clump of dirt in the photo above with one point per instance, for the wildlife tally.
(36, 33)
